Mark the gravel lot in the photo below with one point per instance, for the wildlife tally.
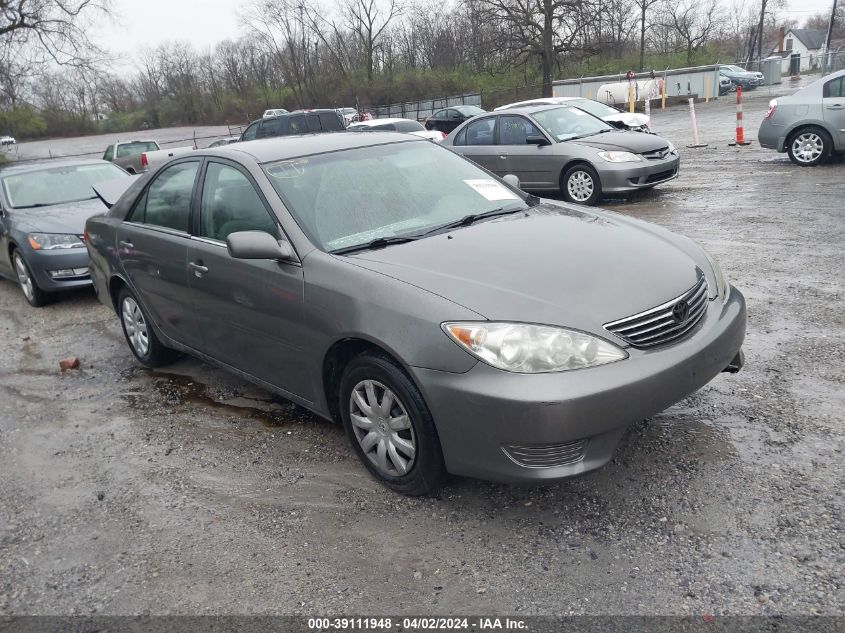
(188, 491)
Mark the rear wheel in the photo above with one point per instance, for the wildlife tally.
(809, 147)
(139, 333)
(581, 184)
(390, 426)
(33, 294)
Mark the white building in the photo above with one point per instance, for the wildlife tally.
(800, 50)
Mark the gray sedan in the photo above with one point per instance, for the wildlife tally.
(467, 328)
(564, 148)
(43, 208)
(810, 124)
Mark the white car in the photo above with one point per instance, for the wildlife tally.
(348, 114)
(269, 114)
(398, 125)
(617, 118)
(7, 140)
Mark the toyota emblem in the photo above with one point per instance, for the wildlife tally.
(680, 311)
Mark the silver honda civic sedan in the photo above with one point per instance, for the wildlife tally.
(467, 328)
(563, 148)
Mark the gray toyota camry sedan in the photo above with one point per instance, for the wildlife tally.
(563, 148)
(467, 328)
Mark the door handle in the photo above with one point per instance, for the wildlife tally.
(836, 106)
(126, 244)
(199, 269)
(503, 156)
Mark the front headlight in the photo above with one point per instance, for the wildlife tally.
(532, 349)
(723, 288)
(620, 157)
(671, 147)
(51, 241)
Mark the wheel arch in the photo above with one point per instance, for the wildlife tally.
(337, 358)
(806, 125)
(571, 163)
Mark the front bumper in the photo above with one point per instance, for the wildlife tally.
(42, 261)
(488, 419)
(621, 177)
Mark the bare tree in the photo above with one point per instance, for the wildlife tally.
(693, 22)
(52, 28)
(643, 6)
(541, 28)
(368, 21)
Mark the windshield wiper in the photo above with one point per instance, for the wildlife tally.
(472, 218)
(34, 206)
(379, 242)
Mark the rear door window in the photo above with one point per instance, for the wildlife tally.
(482, 132)
(330, 122)
(167, 201)
(313, 122)
(296, 125)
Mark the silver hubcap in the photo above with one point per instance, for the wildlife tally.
(580, 186)
(23, 277)
(807, 147)
(382, 428)
(136, 326)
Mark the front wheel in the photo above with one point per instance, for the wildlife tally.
(581, 184)
(390, 426)
(809, 147)
(139, 333)
(31, 292)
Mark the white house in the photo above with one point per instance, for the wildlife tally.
(800, 50)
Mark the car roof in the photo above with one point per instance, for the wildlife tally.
(532, 108)
(22, 168)
(383, 121)
(294, 113)
(268, 150)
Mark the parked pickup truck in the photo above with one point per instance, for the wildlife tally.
(127, 154)
(155, 159)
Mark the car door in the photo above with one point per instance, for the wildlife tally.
(435, 121)
(833, 101)
(249, 311)
(5, 261)
(152, 246)
(533, 164)
(480, 145)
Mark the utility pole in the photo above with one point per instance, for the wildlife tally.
(763, 4)
(827, 41)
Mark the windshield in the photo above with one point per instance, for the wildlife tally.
(56, 185)
(566, 123)
(593, 107)
(352, 197)
(735, 69)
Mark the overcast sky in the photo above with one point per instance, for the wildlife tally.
(140, 23)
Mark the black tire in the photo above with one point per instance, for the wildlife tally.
(815, 137)
(154, 354)
(427, 473)
(580, 171)
(36, 297)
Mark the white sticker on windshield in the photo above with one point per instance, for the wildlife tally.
(491, 189)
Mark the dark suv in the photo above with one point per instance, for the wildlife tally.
(293, 123)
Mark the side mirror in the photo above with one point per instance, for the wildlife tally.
(512, 180)
(258, 245)
(538, 140)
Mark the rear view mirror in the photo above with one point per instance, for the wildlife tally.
(512, 180)
(536, 140)
(258, 245)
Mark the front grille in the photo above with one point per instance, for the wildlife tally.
(666, 322)
(657, 154)
(546, 455)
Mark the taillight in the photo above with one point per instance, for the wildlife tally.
(85, 235)
(773, 105)
(144, 162)
(442, 135)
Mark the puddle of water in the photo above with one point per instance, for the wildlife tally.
(178, 389)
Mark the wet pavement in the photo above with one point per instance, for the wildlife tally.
(188, 491)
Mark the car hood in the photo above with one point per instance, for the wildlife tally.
(553, 264)
(623, 140)
(58, 218)
(630, 119)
